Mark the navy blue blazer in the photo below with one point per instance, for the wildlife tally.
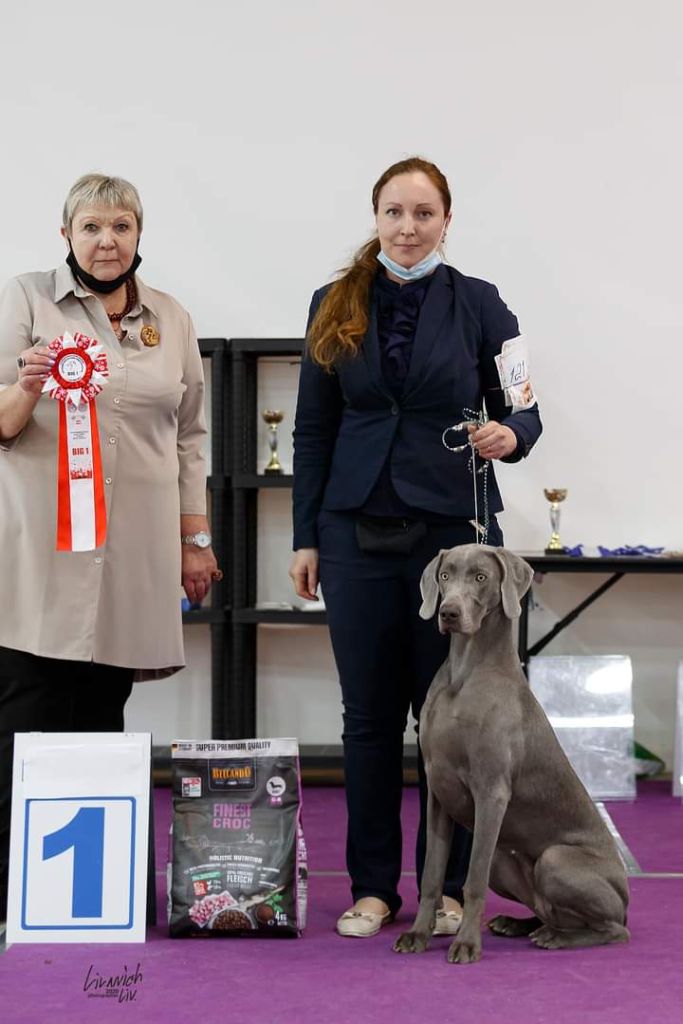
(348, 422)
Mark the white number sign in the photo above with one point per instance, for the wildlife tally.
(78, 852)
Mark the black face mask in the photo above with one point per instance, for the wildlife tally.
(103, 287)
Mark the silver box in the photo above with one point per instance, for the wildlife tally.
(589, 703)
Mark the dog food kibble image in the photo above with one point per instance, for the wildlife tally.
(232, 921)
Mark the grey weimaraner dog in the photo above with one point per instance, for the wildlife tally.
(494, 764)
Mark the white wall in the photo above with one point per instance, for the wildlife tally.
(255, 132)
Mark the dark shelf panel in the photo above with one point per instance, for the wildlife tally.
(268, 346)
(202, 616)
(257, 480)
(275, 617)
(217, 482)
(209, 345)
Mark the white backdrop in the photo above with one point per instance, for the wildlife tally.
(255, 133)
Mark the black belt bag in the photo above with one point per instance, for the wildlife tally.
(388, 536)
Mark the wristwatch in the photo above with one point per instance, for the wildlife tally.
(202, 539)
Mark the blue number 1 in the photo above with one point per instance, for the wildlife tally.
(85, 835)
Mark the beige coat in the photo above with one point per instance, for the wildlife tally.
(120, 604)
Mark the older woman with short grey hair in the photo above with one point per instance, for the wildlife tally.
(102, 480)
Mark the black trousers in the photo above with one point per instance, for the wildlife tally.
(386, 656)
(51, 695)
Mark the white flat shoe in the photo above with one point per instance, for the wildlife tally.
(447, 922)
(359, 924)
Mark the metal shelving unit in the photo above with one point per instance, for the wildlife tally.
(246, 483)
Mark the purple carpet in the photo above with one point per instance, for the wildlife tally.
(323, 978)
(652, 827)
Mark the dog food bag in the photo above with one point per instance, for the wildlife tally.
(238, 857)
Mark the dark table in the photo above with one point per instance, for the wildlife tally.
(616, 566)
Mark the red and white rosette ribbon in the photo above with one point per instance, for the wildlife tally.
(77, 376)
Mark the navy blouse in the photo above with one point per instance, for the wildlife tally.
(398, 307)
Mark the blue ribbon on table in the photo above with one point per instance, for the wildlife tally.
(641, 551)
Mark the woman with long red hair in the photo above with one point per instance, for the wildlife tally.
(400, 347)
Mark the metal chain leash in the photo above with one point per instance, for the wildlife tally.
(473, 419)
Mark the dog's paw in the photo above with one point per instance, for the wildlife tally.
(462, 952)
(512, 927)
(548, 938)
(411, 942)
(551, 938)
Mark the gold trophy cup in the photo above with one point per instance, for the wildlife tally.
(273, 417)
(555, 495)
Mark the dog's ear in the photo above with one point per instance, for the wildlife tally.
(517, 577)
(429, 586)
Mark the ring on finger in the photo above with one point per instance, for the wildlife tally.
(21, 362)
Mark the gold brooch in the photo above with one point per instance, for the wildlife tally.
(149, 336)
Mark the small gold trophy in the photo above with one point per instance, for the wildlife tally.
(555, 495)
(273, 417)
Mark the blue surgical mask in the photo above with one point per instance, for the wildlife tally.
(421, 269)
